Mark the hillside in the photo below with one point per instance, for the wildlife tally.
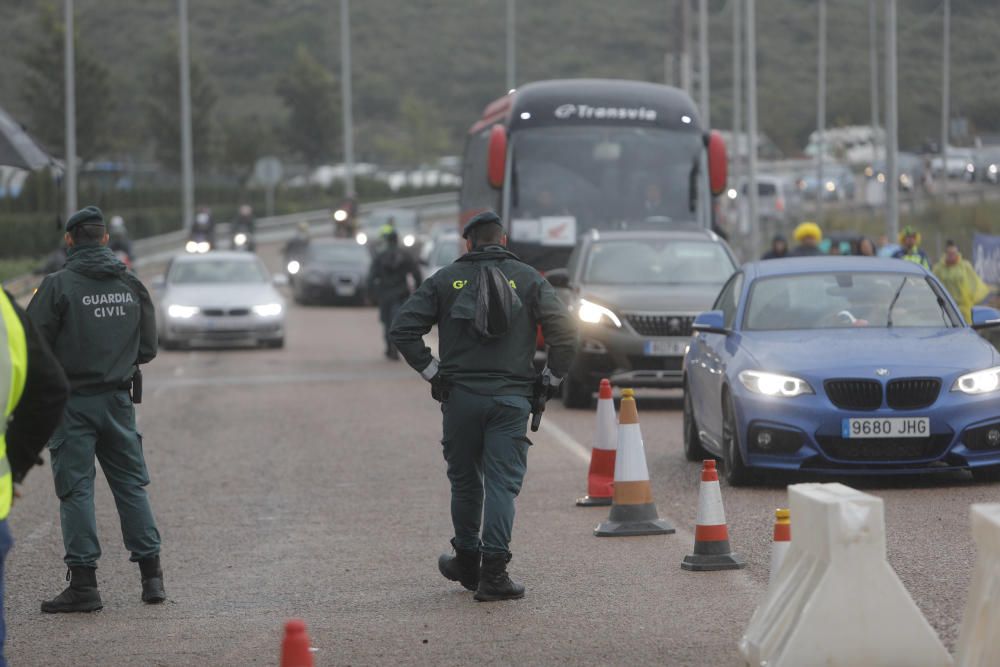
(449, 55)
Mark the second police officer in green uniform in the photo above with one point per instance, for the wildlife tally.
(99, 320)
(485, 380)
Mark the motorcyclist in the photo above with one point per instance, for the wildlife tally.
(808, 236)
(244, 224)
(120, 243)
(345, 218)
(296, 246)
(203, 227)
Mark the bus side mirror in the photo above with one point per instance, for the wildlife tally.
(717, 163)
(496, 157)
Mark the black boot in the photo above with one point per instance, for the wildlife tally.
(494, 584)
(463, 567)
(152, 580)
(80, 596)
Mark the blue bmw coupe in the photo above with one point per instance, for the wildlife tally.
(841, 365)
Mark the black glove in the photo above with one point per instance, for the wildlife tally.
(549, 384)
(438, 390)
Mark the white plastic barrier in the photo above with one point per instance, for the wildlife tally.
(836, 601)
(979, 641)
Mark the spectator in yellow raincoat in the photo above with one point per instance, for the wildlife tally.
(961, 280)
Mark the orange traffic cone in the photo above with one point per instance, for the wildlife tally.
(782, 540)
(711, 536)
(295, 650)
(633, 511)
(601, 476)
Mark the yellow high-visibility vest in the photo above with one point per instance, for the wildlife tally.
(13, 371)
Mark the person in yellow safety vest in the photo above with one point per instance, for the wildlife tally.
(33, 388)
(959, 277)
(910, 239)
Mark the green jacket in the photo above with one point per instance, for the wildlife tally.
(98, 319)
(503, 366)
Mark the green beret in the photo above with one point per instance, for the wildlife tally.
(89, 214)
(484, 218)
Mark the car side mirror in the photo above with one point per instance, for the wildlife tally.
(984, 317)
(280, 280)
(711, 321)
(558, 278)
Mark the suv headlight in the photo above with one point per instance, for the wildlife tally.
(772, 384)
(594, 313)
(182, 312)
(268, 310)
(980, 382)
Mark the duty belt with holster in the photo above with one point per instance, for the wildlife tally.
(133, 386)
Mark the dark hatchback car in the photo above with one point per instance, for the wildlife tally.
(331, 271)
(635, 296)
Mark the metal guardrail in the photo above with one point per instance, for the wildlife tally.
(156, 249)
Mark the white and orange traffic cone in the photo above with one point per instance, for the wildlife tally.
(711, 536)
(633, 511)
(601, 476)
(782, 540)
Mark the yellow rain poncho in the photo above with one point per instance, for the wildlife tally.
(963, 283)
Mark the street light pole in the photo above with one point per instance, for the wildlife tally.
(891, 123)
(737, 89)
(704, 86)
(751, 44)
(873, 74)
(187, 151)
(511, 45)
(70, 83)
(345, 96)
(821, 112)
(945, 94)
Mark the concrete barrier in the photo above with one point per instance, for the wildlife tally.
(979, 639)
(836, 601)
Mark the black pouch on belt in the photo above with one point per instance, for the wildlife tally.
(137, 386)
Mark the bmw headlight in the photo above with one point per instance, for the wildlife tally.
(361, 238)
(772, 384)
(268, 310)
(980, 382)
(294, 266)
(594, 313)
(179, 312)
(409, 240)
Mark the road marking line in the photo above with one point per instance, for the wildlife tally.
(565, 440)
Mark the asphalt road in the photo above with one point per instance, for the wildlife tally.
(308, 482)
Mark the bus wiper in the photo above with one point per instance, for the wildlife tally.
(892, 304)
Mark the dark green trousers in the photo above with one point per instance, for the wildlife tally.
(101, 426)
(486, 447)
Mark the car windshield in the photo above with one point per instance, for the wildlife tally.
(647, 261)
(845, 300)
(446, 251)
(600, 176)
(338, 253)
(217, 272)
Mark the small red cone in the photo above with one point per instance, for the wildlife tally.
(782, 540)
(711, 536)
(295, 647)
(601, 476)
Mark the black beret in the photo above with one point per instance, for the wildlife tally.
(484, 218)
(90, 214)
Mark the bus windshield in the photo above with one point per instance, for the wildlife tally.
(605, 177)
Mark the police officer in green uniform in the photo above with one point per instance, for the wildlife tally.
(485, 382)
(99, 320)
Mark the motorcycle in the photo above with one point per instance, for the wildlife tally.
(243, 240)
(199, 242)
(345, 219)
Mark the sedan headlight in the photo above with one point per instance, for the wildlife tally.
(772, 384)
(980, 382)
(268, 310)
(409, 240)
(182, 312)
(594, 313)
